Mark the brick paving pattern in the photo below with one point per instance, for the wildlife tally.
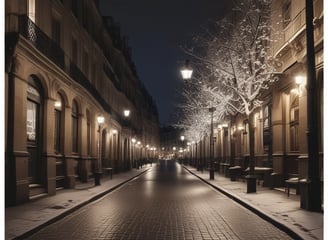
(165, 203)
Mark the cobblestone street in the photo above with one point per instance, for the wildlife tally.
(165, 203)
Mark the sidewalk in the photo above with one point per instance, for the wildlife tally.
(22, 220)
(273, 205)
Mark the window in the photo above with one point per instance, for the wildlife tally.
(86, 64)
(56, 31)
(75, 8)
(74, 50)
(286, 13)
(266, 129)
(75, 122)
(88, 134)
(34, 124)
(32, 113)
(31, 121)
(31, 10)
(85, 15)
(31, 24)
(294, 121)
(93, 73)
(58, 124)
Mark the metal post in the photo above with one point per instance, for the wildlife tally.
(212, 109)
(97, 172)
(310, 187)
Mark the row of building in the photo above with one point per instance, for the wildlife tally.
(281, 123)
(67, 66)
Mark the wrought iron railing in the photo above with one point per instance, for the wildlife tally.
(29, 30)
(41, 41)
(289, 32)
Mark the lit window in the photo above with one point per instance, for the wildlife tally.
(294, 122)
(58, 124)
(31, 10)
(74, 127)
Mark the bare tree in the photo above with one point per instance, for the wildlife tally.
(234, 55)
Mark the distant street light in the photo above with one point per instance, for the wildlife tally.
(186, 71)
(100, 120)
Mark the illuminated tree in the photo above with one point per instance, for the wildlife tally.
(234, 61)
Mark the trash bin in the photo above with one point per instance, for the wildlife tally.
(251, 183)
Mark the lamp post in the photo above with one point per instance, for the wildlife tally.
(139, 157)
(182, 138)
(100, 120)
(310, 187)
(127, 156)
(211, 110)
(133, 157)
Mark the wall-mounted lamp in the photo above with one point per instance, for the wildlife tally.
(240, 128)
(126, 113)
(300, 80)
(58, 104)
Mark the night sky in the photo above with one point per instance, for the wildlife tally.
(156, 30)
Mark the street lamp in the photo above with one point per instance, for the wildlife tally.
(310, 187)
(186, 71)
(211, 110)
(127, 155)
(100, 120)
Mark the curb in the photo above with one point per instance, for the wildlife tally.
(75, 208)
(252, 208)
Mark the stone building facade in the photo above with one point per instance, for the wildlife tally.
(65, 65)
(280, 125)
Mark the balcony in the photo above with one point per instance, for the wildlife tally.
(294, 29)
(41, 41)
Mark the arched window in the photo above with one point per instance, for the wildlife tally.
(266, 128)
(88, 133)
(294, 121)
(75, 127)
(33, 130)
(58, 123)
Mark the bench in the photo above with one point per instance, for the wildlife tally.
(292, 182)
(235, 172)
(109, 171)
(224, 169)
(260, 172)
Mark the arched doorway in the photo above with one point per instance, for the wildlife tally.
(36, 166)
